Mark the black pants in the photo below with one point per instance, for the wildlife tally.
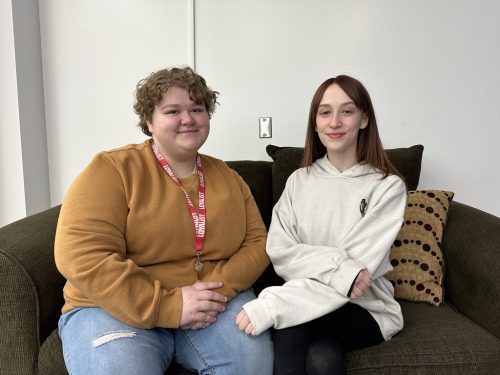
(319, 346)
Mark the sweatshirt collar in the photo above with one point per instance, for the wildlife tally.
(324, 167)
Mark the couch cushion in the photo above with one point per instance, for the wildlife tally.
(416, 254)
(435, 340)
(50, 357)
(287, 159)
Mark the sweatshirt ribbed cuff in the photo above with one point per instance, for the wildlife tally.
(342, 277)
(259, 314)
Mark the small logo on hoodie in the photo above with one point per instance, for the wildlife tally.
(363, 206)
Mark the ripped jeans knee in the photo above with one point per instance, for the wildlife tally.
(111, 336)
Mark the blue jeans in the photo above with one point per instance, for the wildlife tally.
(96, 343)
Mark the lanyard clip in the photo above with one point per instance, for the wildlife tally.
(198, 265)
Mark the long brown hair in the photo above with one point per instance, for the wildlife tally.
(369, 146)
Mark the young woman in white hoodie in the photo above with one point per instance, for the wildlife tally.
(330, 237)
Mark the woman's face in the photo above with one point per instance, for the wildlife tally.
(178, 125)
(338, 122)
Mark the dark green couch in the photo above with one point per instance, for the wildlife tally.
(459, 337)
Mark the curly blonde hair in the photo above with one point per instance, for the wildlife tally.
(150, 90)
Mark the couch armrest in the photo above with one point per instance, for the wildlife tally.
(30, 290)
(471, 244)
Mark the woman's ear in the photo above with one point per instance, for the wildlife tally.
(364, 121)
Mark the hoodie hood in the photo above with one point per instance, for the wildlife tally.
(323, 167)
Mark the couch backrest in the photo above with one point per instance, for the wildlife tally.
(258, 176)
(406, 160)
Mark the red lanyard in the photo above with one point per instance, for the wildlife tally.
(199, 218)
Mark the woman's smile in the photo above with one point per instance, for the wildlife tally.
(335, 135)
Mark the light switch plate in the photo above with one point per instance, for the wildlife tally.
(265, 127)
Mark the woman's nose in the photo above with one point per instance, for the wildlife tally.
(186, 117)
(335, 120)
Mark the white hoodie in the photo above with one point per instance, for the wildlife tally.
(320, 239)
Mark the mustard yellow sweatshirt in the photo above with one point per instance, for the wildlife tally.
(125, 236)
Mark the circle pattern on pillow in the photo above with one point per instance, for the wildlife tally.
(416, 254)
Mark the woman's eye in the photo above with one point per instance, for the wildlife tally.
(199, 109)
(324, 113)
(172, 112)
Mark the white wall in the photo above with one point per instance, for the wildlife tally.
(31, 105)
(12, 203)
(430, 66)
(94, 53)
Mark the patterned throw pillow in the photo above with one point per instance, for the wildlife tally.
(416, 254)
